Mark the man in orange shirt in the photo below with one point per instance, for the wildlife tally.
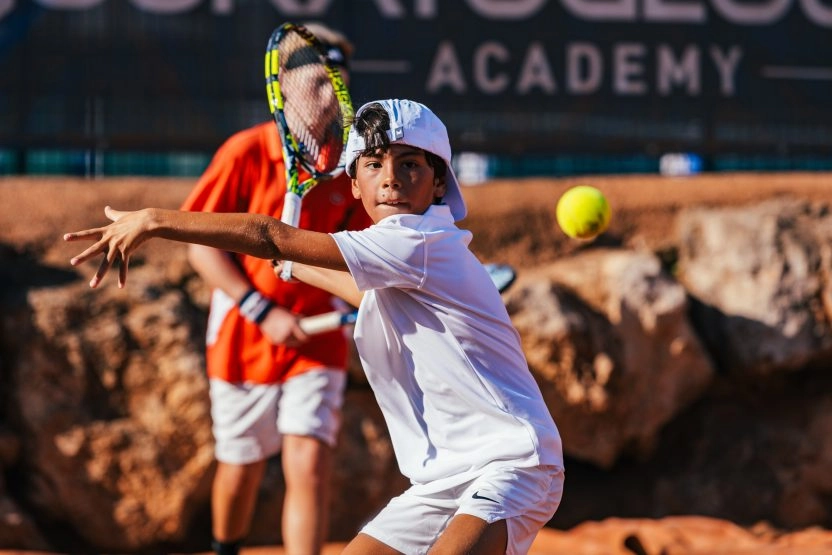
(273, 389)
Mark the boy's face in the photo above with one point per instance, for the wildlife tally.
(398, 181)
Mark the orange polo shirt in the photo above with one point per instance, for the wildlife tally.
(247, 175)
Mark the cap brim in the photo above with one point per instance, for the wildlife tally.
(453, 195)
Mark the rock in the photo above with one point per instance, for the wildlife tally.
(112, 393)
(104, 396)
(680, 536)
(112, 396)
(759, 275)
(607, 336)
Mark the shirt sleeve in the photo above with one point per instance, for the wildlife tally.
(384, 256)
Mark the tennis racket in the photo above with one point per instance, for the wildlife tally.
(502, 275)
(311, 106)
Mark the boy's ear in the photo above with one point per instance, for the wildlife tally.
(356, 192)
(439, 187)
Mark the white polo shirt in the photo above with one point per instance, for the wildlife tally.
(441, 354)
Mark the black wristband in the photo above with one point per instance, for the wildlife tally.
(254, 306)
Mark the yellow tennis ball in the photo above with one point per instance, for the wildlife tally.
(583, 212)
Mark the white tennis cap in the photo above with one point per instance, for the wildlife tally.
(413, 124)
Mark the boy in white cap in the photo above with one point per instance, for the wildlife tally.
(468, 422)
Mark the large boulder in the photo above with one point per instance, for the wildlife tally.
(108, 389)
(607, 336)
(111, 393)
(760, 278)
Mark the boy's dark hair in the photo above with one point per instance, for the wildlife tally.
(372, 125)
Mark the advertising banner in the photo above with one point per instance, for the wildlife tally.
(507, 76)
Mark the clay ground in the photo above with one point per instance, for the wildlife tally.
(512, 220)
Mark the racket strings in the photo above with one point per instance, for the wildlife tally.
(313, 113)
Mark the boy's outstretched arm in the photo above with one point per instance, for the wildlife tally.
(252, 234)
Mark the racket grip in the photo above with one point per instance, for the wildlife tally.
(286, 271)
(322, 322)
(290, 216)
(291, 209)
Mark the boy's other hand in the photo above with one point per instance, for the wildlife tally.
(277, 268)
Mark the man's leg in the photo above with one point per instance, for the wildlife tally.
(309, 416)
(307, 468)
(244, 417)
(233, 496)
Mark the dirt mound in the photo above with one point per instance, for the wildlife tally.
(513, 222)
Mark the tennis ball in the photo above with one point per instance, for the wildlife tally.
(583, 212)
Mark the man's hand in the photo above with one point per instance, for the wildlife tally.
(281, 328)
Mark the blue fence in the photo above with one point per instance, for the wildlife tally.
(540, 87)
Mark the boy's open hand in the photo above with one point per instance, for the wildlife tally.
(116, 241)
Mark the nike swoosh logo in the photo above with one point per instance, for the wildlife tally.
(478, 496)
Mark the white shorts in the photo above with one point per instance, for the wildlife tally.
(250, 420)
(526, 498)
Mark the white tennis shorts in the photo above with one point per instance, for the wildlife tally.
(250, 420)
(526, 498)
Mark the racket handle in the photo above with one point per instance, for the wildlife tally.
(286, 271)
(291, 209)
(290, 216)
(326, 322)
(502, 275)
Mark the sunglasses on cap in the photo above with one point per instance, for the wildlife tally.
(308, 55)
